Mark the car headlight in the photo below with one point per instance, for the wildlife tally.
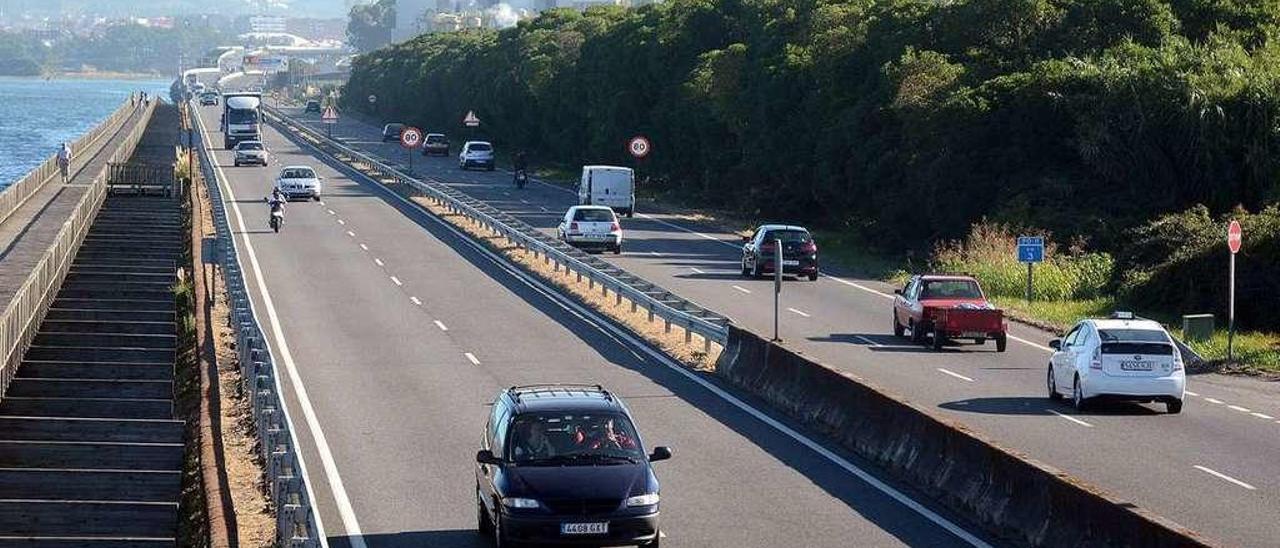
(517, 502)
(643, 500)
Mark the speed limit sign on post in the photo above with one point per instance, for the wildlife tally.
(410, 137)
(639, 147)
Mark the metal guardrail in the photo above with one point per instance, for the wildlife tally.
(22, 316)
(659, 302)
(295, 519)
(82, 151)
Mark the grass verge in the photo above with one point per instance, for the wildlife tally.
(1254, 353)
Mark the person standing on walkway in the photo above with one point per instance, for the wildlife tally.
(64, 161)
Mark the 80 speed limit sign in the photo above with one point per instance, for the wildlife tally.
(639, 147)
(410, 137)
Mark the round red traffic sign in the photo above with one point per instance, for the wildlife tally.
(639, 147)
(410, 137)
(1235, 237)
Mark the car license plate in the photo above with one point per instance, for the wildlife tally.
(1136, 366)
(790, 263)
(974, 335)
(600, 528)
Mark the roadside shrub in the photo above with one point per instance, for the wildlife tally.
(989, 253)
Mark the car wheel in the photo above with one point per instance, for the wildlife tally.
(938, 339)
(813, 277)
(656, 542)
(898, 330)
(756, 271)
(746, 272)
(500, 539)
(917, 334)
(316, 198)
(483, 524)
(1173, 406)
(617, 249)
(1052, 384)
(1002, 342)
(1077, 395)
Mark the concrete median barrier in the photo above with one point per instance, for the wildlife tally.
(1008, 494)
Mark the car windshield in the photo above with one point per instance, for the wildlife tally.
(392, 128)
(298, 173)
(433, 139)
(594, 215)
(242, 116)
(313, 103)
(480, 147)
(950, 289)
(249, 145)
(788, 236)
(556, 439)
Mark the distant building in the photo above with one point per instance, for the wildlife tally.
(265, 23)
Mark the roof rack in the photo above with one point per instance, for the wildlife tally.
(517, 391)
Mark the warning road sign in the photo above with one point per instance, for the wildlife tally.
(639, 147)
(410, 137)
(330, 116)
(471, 120)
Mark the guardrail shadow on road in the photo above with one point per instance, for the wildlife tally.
(1041, 406)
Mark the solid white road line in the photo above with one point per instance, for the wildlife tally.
(416, 301)
(954, 374)
(1224, 477)
(378, 261)
(1072, 419)
(441, 325)
(1262, 416)
(655, 253)
(742, 289)
(866, 340)
(472, 358)
(679, 369)
(799, 313)
(696, 271)
(1190, 393)
(1212, 400)
(396, 280)
(364, 247)
(345, 509)
(1240, 409)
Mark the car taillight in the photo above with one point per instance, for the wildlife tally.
(615, 227)
(573, 226)
(809, 247)
(1177, 360)
(1096, 362)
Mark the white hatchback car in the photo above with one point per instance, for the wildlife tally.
(476, 154)
(299, 182)
(1122, 358)
(591, 227)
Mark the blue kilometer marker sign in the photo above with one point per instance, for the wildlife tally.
(1030, 249)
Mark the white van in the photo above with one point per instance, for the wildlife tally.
(608, 186)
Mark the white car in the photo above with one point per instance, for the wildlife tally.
(477, 154)
(1121, 358)
(591, 227)
(299, 182)
(250, 152)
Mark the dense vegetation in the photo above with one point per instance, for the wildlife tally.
(118, 48)
(903, 121)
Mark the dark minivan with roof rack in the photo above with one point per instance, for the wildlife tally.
(563, 464)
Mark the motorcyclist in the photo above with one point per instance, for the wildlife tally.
(276, 202)
(521, 167)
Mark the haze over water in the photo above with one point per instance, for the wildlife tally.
(36, 115)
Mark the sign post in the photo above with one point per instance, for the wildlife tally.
(777, 286)
(1235, 238)
(1030, 251)
(329, 117)
(410, 137)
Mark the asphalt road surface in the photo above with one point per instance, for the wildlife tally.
(1212, 468)
(394, 333)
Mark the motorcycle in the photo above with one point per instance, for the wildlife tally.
(521, 178)
(277, 220)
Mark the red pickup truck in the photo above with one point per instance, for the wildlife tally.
(947, 307)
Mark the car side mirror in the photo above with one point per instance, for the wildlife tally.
(660, 452)
(746, 239)
(897, 292)
(485, 456)
(1056, 344)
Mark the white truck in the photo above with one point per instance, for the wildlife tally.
(241, 118)
(610, 186)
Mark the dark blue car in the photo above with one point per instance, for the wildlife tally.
(563, 464)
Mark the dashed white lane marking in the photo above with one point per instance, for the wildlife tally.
(350, 233)
(866, 340)
(697, 271)
(799, 313)
(341, 222)
(1263, 416)
(378, 261)
(954, 374)
(396, 281)
(331, 212)
(742, 289)
(524, 201)
(1211, 400)
(547, 210)
(472, 358)
(1072, 419)
(1190, 393)
(1224, 477)
(416, 301)
(321, 202)
(441, 325)
(364, 247)
(1240, 409)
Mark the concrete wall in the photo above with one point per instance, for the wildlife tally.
(1012, 496)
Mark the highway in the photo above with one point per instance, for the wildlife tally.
(1210, 468)
(394, 333)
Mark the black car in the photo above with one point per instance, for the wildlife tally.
(391, 132)
(313, 106)
(799, 251)
(563, 464)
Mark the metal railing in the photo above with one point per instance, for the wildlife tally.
(82, 150)
(21, 319)
(295, 519)
(673, 310)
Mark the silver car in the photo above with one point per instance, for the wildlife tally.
(250, 152)
(476, 154)
(299, 182)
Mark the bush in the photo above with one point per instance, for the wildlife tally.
(989, 253)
